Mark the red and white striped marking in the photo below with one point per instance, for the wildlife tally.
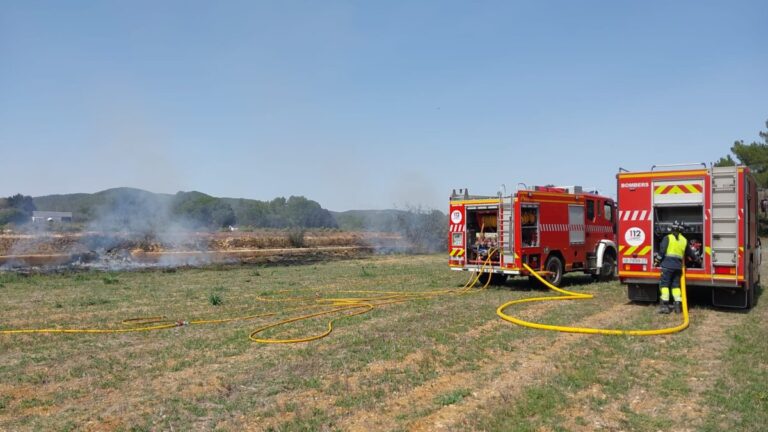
(554, 227)
(564, 227)
(457, 228)
(634, 215)
(599, 229)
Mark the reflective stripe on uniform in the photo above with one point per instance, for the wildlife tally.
(664, 294)
(677, 294)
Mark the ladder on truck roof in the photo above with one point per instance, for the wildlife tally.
(725, 216)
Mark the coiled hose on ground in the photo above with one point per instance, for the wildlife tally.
(569, 295)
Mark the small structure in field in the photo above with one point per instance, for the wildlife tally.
(51, 216)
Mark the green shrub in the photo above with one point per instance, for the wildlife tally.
(215, 299)
(452, 397)
(296, 237)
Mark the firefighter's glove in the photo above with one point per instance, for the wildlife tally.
(656, 260)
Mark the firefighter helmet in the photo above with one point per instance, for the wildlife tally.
(677, 226)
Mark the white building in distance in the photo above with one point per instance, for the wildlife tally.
(51, 216)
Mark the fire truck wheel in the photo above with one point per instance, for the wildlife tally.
(554, 266)
(608, 269)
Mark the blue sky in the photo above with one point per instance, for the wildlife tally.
(370, 104)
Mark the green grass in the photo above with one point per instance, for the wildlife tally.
(397, 362)
(605, 373)
(110, 279)
(739, 400)
(452, 397)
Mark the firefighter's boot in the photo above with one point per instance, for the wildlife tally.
(678, 307)
(664, 307)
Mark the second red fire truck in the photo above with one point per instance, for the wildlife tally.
(552, 229)
(718, 209)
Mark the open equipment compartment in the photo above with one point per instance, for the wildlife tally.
(692, 218)
(482, 234)
(681, 201)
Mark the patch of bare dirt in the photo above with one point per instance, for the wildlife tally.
(708, 329)
(534, 362)
(421, 397)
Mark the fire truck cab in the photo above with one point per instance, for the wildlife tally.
(552, 229)
(718, 209)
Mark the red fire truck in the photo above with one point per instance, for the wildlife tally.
(718, 209)
(553, 229)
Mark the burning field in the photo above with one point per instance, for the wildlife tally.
(125, 251)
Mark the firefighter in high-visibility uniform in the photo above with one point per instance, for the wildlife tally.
(672, 253)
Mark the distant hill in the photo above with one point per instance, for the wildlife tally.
(139, 209)
(87, 207)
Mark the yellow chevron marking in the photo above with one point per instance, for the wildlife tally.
(631, 250)
(644, 251)
(676, 190)
(708, 250)
(621, 248)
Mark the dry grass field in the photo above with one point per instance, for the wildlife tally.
(444, 363)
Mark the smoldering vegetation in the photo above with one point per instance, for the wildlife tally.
(422, 231)
(123, 229)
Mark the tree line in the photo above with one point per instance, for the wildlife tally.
(16, 209)
(134, 209)
(754, 155)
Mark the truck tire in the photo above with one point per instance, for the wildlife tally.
(608, 270)
(554, 266)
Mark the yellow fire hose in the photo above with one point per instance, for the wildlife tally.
(365, 303)
(569, 295)
(356, 305)
(136, 325)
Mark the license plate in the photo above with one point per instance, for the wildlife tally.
(634, 260)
